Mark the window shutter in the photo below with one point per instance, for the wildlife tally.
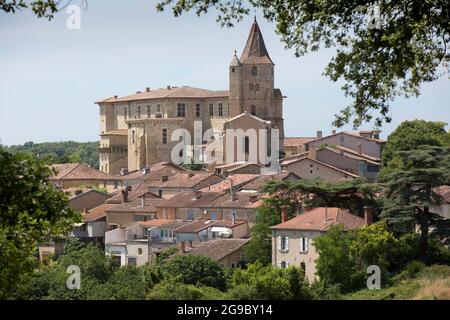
(287, 264)
(279, 264)
(301, 244)
(279, 243)
(287, 243)
(306, 244)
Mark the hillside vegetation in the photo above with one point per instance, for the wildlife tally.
(61, 152)
(431, 283)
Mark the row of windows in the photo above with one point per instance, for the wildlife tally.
(253, 87)
(181, 111)
(285, 264)
(283, 244)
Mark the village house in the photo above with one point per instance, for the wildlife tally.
(205, 230)
(169, 186)
(238, 168)
(293, 240)
(81, 199)
(295, 145)
(70, 175)
(254, 185)
(140, 208)
(94, 225)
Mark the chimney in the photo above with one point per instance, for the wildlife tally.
(115, 96)
(143, 200)
(198, 194)
(147, 89)
(138, 92)
(85, 210)
(78, 192)
(232, 192)
(283, 214)
(191, 174)
(164, 178)
(319, 134)
(333, 131)
(183, 246)
(168, 87)
(368, 215)
(359, 147)
(125, 195)
(326, 214)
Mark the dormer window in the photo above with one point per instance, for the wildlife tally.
(254, 71)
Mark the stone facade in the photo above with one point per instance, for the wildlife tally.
(136, 130)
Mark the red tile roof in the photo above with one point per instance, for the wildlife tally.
(215, 249)
(173, 92)
(238, 180)
(321, 219)
(296, 141)
(78, 171)
(97, 212)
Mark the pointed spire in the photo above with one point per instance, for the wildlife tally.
(255, 50)
(235, 62)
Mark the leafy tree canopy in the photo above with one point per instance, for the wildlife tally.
(31, 210)
(41, 8)
(409, 135)
(378, 57)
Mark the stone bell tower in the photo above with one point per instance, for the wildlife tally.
(251, 80)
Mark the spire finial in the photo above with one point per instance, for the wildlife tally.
(255, 16)
(235, 52)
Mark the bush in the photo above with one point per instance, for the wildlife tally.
(173, 290)
(196, 270)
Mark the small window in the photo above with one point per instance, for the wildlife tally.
(181, 110)
(246, 144)
(190, 215)
(139, 251)
(125, 113)
(148, 111)
(211, 110)
(253, 110)
(303, 266)
(254, 71)
(232, 69)
(257, 87)
(160, 193)
(139, 112)
(251, 87)
(158, 108)
(132, 261)
(304, 244)
(133, 136)
(284, 243)
(197, 110)
(164, 136)
(220, 110)
(283, 264)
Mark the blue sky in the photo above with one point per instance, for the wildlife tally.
(50, 75)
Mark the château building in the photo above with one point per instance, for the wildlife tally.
(135, 130)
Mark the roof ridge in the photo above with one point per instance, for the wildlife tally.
(70, 171)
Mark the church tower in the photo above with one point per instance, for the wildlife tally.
(251, 81)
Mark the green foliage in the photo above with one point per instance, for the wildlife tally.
(409, 135)
(173, 290)
(334, 264)
(61, 152)
(31, 211)
(410, 194)
(265, 282)
(377, 63)
(41, 8)
(352, 195)
(195, 270)
(166, 254)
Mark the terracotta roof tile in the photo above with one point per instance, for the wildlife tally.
(77, 171)
(238, 180)
(173, 92)
(215, 249)
(296, 141)
(97, 212)
(258, 182)
(321, 219)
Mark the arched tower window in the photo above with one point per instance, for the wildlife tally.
(253, 110)
(254, 71)
(250, 87)
(257, 87)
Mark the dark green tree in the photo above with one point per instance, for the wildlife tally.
(380, 57)
(411, 197)
(409, 135)
(195, 270)
(31, 210)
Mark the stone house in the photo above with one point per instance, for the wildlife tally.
(293, 240)
(76, 175)
(86, 199)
